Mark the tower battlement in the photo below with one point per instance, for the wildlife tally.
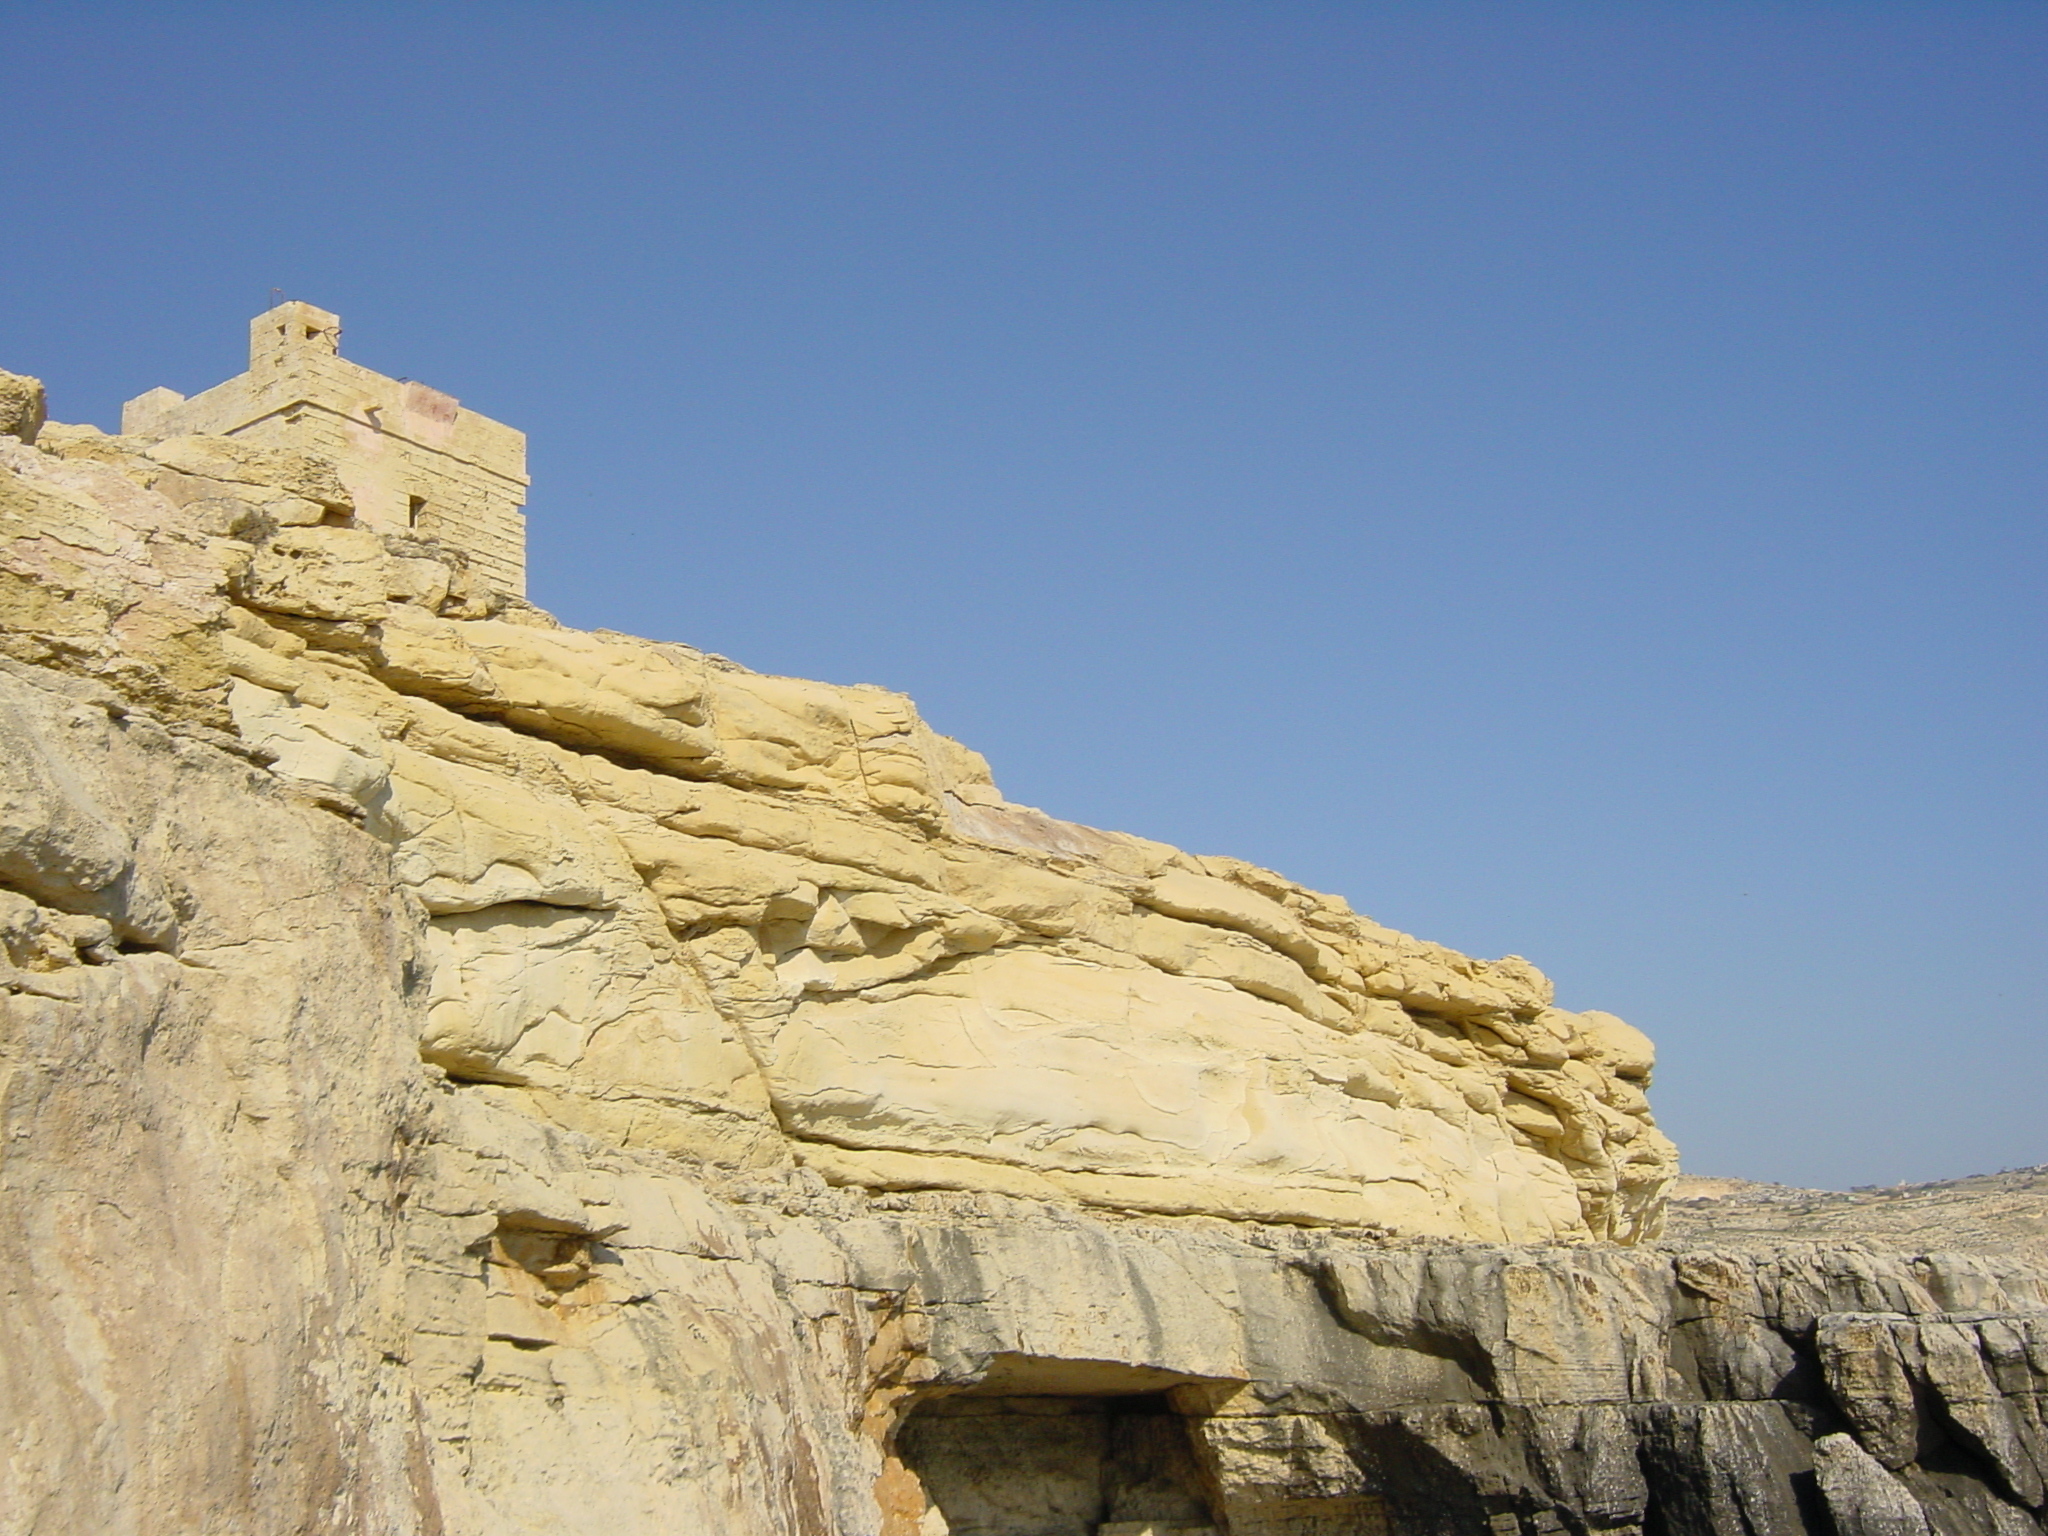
(412, 457)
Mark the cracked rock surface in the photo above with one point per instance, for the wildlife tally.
(461, 1074)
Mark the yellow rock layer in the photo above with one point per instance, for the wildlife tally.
(683, 906)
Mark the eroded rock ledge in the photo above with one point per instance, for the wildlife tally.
(759, 920)
(463, 1075)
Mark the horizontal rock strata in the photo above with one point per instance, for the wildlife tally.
(760, 920)
(465, 1075)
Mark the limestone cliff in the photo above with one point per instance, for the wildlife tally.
(464, 1074)
(687, 907)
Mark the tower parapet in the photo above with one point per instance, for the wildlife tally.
(412, 457)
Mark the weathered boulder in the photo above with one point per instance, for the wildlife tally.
(22, 407)
(1862, 1497)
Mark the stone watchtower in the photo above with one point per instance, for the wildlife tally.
(414, 460)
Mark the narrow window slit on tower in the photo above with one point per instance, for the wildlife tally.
(415, 506)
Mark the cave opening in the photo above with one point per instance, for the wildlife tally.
(1047, 1465)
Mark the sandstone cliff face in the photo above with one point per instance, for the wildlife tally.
(757, 920)
(466, 1075)
(205, 1083)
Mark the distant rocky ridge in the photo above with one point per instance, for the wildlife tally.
(463, 1075)
(1996, 1213)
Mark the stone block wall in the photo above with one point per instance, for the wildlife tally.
(414, 461)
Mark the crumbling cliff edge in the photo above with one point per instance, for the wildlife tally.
(462, 1074)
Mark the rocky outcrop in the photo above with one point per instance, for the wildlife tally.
(465, 1075)
(21, 406)
(762, 921)
(207, 1078)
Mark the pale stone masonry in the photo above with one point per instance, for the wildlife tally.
(413, 459)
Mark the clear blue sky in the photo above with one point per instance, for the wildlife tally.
(1567, 476)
